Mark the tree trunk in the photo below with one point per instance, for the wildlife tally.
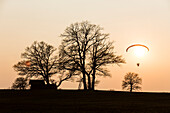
(47, 80)
(93, 79)
(93, 82)
(94, 64)
(79, 85)
(130, 87)
(84, 80)
(84, 71)
(89, 82)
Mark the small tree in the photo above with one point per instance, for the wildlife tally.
(20, 83)
(131, 82)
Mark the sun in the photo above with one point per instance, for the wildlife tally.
(140, 51)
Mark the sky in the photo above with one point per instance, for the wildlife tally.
(127, 21)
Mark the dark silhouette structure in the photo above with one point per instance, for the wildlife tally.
(39, 84)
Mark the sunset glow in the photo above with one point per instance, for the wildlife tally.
(140, 51)
(127, 22)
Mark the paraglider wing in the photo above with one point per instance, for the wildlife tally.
(137, 45)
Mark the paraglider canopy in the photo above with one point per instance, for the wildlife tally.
(137, 45)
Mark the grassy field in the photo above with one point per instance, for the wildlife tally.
(70, 101)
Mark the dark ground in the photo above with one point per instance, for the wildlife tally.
(70, 101)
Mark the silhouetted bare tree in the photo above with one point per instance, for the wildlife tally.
(39, 60)
(131, 82)
(20, 83)
(87, 50)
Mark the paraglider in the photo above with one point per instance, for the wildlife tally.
(138, 52)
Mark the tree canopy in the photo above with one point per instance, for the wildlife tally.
(132, 81)
(20, 83)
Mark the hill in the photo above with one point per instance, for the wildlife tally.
(73, 101)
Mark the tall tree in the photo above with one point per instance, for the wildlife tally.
(86, 49)
(132, 81)
(39, 60)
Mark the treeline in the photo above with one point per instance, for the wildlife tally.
(84, 53)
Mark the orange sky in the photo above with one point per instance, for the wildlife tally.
(127, 21)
